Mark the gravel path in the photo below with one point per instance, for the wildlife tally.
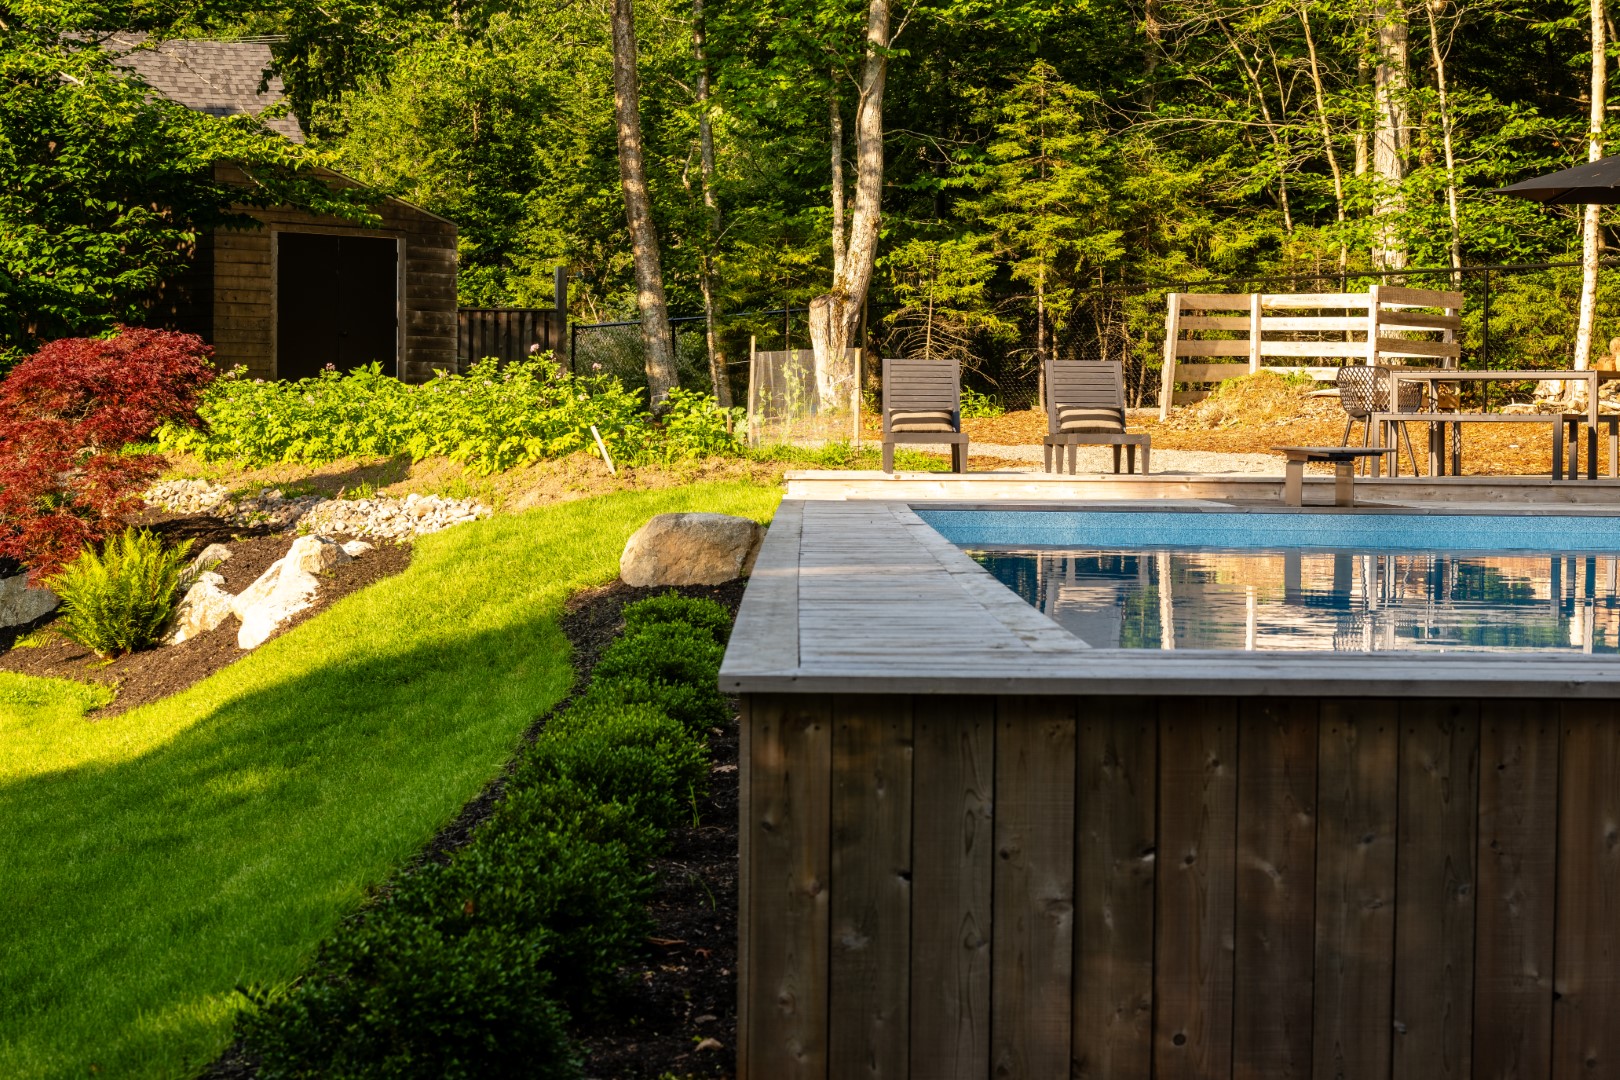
(1096, 459)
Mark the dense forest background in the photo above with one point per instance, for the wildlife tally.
(1034, 149)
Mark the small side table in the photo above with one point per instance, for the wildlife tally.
(1344, 470)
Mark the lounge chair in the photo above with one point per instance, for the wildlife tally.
(922, 403)
(1085, 406)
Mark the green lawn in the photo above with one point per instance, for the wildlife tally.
(154, 861)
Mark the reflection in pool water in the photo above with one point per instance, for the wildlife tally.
(1349, 601)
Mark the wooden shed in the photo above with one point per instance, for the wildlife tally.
(301, 291)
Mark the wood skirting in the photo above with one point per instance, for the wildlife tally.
(1054, 887)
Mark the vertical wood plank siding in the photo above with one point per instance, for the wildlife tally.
(506, 334)
(1061, 888)
(243, 298)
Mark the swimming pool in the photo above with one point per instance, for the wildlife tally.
(1291, 582)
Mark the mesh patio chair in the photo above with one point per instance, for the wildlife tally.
(1364, 390)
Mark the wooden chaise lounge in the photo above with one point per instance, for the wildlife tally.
(922, 403)
(1085, 406)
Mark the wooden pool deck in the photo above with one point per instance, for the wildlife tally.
(1408, 492)
(854, 593)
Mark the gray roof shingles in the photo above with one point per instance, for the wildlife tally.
(220, 78)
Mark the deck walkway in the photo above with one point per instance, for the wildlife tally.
(858, 595)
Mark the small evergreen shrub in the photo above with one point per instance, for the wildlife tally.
(696, 612)
(629, 755)
(471, 967)
(120, 600)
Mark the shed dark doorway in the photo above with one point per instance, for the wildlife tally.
(337, 302)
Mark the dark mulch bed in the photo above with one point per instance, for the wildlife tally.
(146, 676)
(686, 992)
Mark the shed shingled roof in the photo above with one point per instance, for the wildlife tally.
(220, 78)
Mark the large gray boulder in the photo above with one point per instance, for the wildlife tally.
(690, 549)
(20, 604)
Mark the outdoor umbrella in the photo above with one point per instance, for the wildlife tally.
(1595, 182)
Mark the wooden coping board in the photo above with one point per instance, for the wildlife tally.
(863, 597)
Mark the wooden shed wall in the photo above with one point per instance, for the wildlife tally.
(243, 316)
(1128, 888)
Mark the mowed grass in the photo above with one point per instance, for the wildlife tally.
(153, 862)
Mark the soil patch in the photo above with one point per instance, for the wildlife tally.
(150, 674)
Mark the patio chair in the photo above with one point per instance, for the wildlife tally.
(1363, 391)
(1085, 406)
(922, 403)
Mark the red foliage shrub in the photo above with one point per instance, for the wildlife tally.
(66, 413)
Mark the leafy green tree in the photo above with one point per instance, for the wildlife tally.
(105, 189)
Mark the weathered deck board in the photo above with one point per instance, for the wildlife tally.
(1513, 925)
(953, 852)
(1435, 890)
(1192, 991)
(1586, 1031)
(871, 903)
(1117, 806)
(1276, 899)
(790, 868)
(1355, 890)
(1032, 957)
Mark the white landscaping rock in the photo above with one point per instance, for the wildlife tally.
(210, 557)
(356, 548)
(281, 592)
(690, 549)
(315, 555)
(20, 604)
(205, 606)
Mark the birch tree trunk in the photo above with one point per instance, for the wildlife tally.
(711, 206)
(655, 337)
(1389, 133)
(1431, 6)
(1591, 237)
(835, 315)
(835, 130)
(1327, 133)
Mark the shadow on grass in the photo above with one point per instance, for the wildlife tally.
(218, 857)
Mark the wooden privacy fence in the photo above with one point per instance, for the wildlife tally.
(1363, 325)
(1122, 888)
(507, 334)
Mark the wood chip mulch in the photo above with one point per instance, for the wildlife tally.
(150, 674)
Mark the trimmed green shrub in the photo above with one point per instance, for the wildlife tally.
(466, 967)
(695, 611)
(401, 999)
(120, 600)
(630, 755)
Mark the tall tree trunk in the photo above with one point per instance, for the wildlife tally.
(655, 336)
(835, 130)
(1591, 237)
(1327, 133)
(1431, 6)
(835, 315)
(1271, 128)
(711, 205)
(1390, 133)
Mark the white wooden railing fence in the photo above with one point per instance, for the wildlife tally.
(1374, 315)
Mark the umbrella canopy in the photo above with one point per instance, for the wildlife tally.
(1595, 182)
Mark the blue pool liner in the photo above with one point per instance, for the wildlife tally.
(1270, 531)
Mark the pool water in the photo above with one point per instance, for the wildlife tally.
(1345, 601)
(1345, 583)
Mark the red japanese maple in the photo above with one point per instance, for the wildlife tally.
(66, 414)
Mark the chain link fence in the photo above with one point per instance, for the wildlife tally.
(1519, 316)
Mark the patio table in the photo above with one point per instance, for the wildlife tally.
(1438, 419)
